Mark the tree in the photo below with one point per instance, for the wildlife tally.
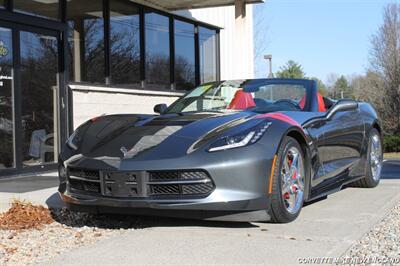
(342, 89)
(385, 60)
(367, 88)
(291, 69)
(261, 41)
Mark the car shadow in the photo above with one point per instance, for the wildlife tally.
(115, 221)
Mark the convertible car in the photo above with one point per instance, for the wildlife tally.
(240, 150)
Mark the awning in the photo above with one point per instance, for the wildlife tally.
(172, 5)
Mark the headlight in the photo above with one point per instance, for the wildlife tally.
(72, 141)
(247, 137)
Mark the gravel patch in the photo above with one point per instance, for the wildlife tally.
(71, 230)
(382, 243)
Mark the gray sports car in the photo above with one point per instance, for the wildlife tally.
(241, 150)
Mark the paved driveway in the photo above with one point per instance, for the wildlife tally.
(325, 228)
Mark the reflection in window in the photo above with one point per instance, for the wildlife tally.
(208, 55)
(157, 51)
(124, 43)
(184, 55)
(86, 40)
(43, 8)
(276, 92)
(39, 69)
(6, 100)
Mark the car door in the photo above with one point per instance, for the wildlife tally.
(340, 147)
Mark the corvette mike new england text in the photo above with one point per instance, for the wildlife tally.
(349, 260)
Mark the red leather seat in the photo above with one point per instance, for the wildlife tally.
(321, 103)
(241, 101)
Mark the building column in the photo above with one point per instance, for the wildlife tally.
(240, 39)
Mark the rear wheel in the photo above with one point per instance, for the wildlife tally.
(288, 182)
(374, 161)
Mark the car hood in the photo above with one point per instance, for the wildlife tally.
(142, 137)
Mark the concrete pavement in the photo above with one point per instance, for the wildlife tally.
(39, 189)
(325, 228)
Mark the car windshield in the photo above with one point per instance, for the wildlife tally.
(255, 95)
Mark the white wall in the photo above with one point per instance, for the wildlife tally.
(236, 38)
(89, 102)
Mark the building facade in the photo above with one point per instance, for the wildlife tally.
(65, 61)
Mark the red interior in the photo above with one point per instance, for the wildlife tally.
(241, 101)
(321, 103)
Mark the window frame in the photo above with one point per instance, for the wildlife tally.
(109, 45)
(172, 17)
(143, 9)
(171, 45)
(195, 29)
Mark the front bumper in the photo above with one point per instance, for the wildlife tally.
(239, 177)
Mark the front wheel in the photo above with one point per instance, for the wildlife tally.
(288, 182)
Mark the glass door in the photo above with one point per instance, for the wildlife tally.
(7, 137)
(29, 97)
(38, 72)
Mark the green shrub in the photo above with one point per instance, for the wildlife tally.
(391, 143)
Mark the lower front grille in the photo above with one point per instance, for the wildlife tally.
(84, 180)
(177, 175)
(84, 173)
(165, 189)
(141, 184)
(197, 189)
(180, 183)
(85, 186)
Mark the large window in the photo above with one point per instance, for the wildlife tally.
(208, 54)
(6, 100)
(185, 74)
(114, 44)
(39, 69)
(41, 8)
(124, 43)
(157, 51)
(86, 40)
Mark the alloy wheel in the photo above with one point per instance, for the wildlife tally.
(292, 174)
(375, 157)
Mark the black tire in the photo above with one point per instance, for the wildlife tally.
(369, 181)
(277, 210)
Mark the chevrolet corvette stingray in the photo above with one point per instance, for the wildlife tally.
(239, 150)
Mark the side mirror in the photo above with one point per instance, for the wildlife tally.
(160, 108)
(344, 105)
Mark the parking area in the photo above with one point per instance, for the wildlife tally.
(325, 228)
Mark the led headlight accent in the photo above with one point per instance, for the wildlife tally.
(72, 141)
(248, 137)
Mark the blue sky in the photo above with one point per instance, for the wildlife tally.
(324, 36)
